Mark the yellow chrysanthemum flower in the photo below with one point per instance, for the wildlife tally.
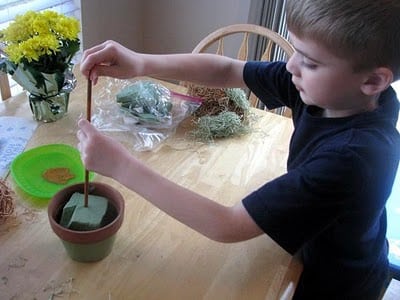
(35, 34)
(39, 47)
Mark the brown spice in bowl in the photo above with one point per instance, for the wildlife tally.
(58, 175)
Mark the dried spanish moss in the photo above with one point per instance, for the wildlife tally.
(217, 100)
(223, 125)
(238, 96)
(222, 114)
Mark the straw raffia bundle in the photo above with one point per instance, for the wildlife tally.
(215, 101)
(6, 201)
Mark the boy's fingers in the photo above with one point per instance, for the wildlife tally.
(92, 50)
(92, 60)
(86, 127)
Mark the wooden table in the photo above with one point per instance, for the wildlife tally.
(155, 256)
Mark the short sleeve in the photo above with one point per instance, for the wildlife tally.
(297, 206)
(271, 83)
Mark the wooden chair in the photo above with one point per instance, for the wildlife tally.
(4, 86)
(274, 41)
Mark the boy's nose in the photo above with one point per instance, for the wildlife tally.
(292, 66)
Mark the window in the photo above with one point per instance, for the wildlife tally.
(10, 8)
(270, 14)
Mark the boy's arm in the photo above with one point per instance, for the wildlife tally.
(105, 156)
(114, 60)
(205, 69)
(216, 221)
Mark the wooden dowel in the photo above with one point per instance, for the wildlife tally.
(88, 117)
(89, 100)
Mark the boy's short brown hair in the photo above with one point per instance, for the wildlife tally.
(366, 32)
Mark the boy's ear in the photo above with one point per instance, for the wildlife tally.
(377, 81)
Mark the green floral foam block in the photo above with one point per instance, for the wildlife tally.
(76, 216)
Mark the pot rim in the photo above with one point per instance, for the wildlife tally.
(90, 236)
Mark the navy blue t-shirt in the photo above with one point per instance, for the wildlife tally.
(330, 205)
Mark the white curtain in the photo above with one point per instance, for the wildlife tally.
(270, 14)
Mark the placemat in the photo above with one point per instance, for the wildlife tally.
(15, 132)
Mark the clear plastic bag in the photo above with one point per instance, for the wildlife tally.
(148, 102)
(145, 109)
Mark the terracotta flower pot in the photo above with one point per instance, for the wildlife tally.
(92, 245)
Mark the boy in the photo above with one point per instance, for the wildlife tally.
(344, 152)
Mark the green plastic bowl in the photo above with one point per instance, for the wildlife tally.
(28, 167)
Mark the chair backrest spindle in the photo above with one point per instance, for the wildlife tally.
(272, 39)
(244, 47)
(220, 49)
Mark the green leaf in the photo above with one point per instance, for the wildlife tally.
(40, 80)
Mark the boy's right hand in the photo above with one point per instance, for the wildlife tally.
(111, 59)
(100, 153)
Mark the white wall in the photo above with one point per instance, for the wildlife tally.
(156, 26)
(119, 20)
(178, 25)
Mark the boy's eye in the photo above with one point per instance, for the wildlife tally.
(308, 64)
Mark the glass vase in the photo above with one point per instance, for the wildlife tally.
(49, 108)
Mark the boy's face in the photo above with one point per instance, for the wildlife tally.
(327, 81)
